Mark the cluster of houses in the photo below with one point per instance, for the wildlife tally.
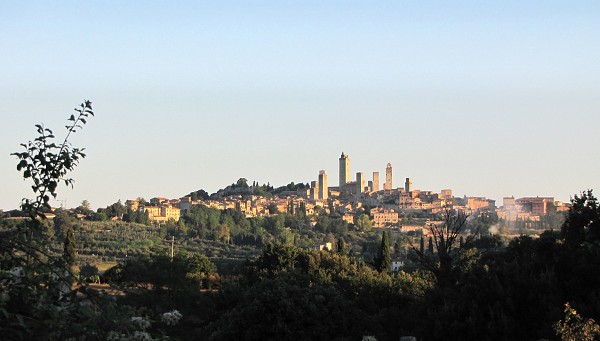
(384, 207)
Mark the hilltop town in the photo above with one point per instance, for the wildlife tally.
(386, 205)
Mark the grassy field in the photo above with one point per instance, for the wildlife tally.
(103, 266)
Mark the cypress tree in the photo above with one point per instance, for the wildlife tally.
(430, 246)
(69, 252)
(341, 246)
(383, 260)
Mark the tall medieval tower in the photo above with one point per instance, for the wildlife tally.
(323, 187)
(360, 182)
(344, 170)
(375, 181)
(388, 177)
(408, 186)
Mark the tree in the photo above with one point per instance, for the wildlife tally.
(88, 273)
(583, 221)
(273, 209)
(43, 292)
(301, 212)
(242, 183)
(341, 246)
(142, 217)
(363, 222)
(199, 268)
(69, 252)
(84, 208)
(48, 163)
(383, 260)
(62, 221)
(117, 209)
(449, 256)
(223, 233)
(576, 328)
(199, 194)
(100, 216)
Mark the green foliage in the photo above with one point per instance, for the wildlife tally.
(430, 245)
(363, 222)
(199, 194)
(575, 327)
(115, 210)
(447, 256)
(88, 270)
(383, 260)
(583, 221)
(69, 251)
(333, 224)
(278, 257)
(273, 209)
(63, 222)
(341, 246)
(160, 283)
(137, 216)
(288, 308)
(38, 301)
(48, 163)
(288, 288)
(199, 266)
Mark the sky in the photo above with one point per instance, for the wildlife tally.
(487, 98)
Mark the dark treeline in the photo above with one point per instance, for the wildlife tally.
(512, 292)
(488, 289)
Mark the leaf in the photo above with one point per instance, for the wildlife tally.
(72, 118)
(21, 165)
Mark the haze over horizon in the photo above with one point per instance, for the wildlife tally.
(489, 100)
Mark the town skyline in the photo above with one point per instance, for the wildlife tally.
(397, 182)
(487, 99)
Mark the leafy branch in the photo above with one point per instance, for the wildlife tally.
(48, 163)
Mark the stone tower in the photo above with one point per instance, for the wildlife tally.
(344, 170)
(323, 188)
(314, 190)
(360, 182)
(408, 185)
(375, 182)
(388, 177)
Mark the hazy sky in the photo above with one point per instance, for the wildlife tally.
(487, 98)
